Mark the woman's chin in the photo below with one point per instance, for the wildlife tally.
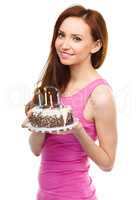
(66, 62)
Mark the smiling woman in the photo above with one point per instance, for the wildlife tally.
(78, 48)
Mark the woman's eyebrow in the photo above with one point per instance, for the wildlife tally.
(76, 34)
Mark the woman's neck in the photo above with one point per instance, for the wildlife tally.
(82, 73)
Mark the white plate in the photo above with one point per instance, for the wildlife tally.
(56, 130)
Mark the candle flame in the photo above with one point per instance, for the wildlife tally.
(39, 84)
(45, 89)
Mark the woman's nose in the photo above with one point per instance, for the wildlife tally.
(66, 44)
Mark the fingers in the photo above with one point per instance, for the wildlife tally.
(29, 113)
(24, 124)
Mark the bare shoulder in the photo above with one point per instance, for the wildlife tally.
(102, 97)
(103, 103)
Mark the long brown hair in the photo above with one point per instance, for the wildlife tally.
(55, 73)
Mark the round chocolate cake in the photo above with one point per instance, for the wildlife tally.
(49, 118)
(49, 112)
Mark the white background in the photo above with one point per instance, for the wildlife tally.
(25, 35)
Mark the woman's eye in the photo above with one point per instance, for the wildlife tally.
(60, 35)
(77, 39)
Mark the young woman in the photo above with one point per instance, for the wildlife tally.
(78, 48)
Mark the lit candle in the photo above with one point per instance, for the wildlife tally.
(39, 97)
(45, 90)
(58, 98)
(51, 100)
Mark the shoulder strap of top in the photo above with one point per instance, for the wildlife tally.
(96, 83)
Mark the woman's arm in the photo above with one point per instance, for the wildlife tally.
(36, 141)
(104, 113)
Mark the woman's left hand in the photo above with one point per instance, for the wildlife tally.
(77, 128)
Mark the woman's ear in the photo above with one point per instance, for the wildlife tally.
(96, 47)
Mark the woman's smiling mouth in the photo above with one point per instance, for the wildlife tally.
(65, 55)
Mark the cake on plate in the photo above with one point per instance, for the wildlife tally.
(51, 117)
(49, 113)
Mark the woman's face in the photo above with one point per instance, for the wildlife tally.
(74, 42)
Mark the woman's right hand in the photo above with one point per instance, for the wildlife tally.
(25, 122)
(29, 106)
(29, 113)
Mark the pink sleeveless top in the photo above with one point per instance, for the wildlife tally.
(63, 173)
